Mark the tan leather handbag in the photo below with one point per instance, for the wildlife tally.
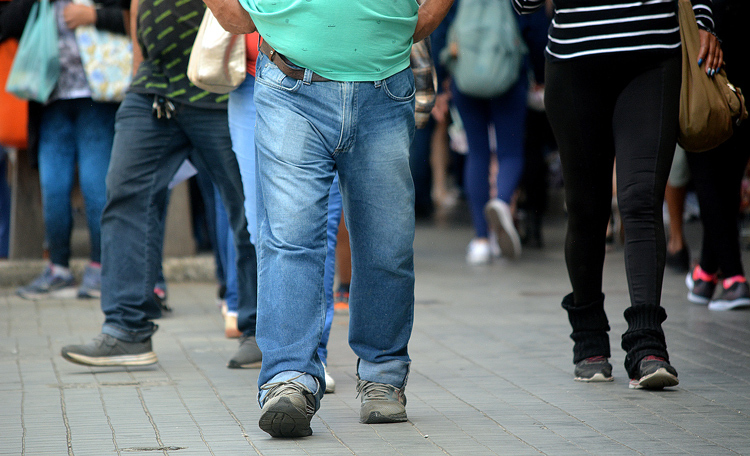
(709, 106)
(217, 61)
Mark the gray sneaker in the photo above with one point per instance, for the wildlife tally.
(381, 403)
(91, 285)
(593, 369)
(49, 284)
(106, 350)
(287, 409)
(248, 356)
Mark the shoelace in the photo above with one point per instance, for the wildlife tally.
(700, 274)
(374, 391)
(727, 283)
(276, 388)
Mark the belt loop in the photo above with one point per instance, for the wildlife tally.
(307, 78)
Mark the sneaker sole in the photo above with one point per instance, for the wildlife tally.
(283, 419)
(655, 381)
(375, 417)
(598, 377)
(729, 305)
(62, 293)
(143, 359)
(90, 294)
(692, 297)
(235, 365)
(507, 237)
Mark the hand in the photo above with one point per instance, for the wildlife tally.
(441, 110)
(77, 15)
(710, 52)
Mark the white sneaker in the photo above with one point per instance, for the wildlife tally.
(330, 382)
(500, 219)
(479, 252)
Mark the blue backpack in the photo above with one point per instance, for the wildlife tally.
(490, 47)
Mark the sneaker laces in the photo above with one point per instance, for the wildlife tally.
(283, 387)
(700, 274)
(727, 283)
(374, 391)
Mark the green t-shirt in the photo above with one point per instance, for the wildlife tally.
(343, 40)
(166, 32)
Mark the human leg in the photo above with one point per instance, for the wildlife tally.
(645, 126)
(332, 228)
(95, 130)
(587, 157)
(718, 178)
(145, 154)
(509, 118)
(381, 231)
(57, 158)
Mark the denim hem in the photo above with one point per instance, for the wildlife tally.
(127, 335)
(303, 378)
(393, 372)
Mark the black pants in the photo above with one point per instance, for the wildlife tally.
(623, 106)
(717, 175)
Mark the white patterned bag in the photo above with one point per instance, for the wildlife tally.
(107, 60)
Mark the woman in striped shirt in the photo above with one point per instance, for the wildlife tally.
(612, 89)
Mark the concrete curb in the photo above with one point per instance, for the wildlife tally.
(199, 268)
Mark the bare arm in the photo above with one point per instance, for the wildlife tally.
(133, 23)
(431, 13)
(232, 16)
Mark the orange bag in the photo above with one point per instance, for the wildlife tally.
(14, 112)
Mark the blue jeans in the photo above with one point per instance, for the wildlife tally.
(304, 133)
(146, 153)
(4, 207)
(242, 116)
(242, 129)
(508, 114)
(74, 133)
(332, 230)
(226, 252)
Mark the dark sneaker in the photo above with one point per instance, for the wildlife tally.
(91, 285)
(498, 215)
(106, 350)
(654, 373)
(287, 409)
(735, 294)
(54, 282)
(381, 403)
(701, 285)
(341, 302)
(160, 296)
(593, 369)
(248, 356)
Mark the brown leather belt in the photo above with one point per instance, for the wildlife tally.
(281, 62)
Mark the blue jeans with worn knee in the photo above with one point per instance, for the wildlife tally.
(305, 131)
(146, 153)
(74, 134)
(242, 115)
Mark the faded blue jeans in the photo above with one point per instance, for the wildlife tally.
(146, 153)
(305, 132)
(74, 134)
(242, 116)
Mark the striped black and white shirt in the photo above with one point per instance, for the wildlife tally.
(591, 27)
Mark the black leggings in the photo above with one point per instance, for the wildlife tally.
(717, 175)
(623, 106)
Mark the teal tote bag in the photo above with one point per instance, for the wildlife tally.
(36, 66)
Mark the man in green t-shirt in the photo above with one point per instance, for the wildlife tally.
(333, 92)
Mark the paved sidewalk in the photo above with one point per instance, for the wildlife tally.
(491, 374)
